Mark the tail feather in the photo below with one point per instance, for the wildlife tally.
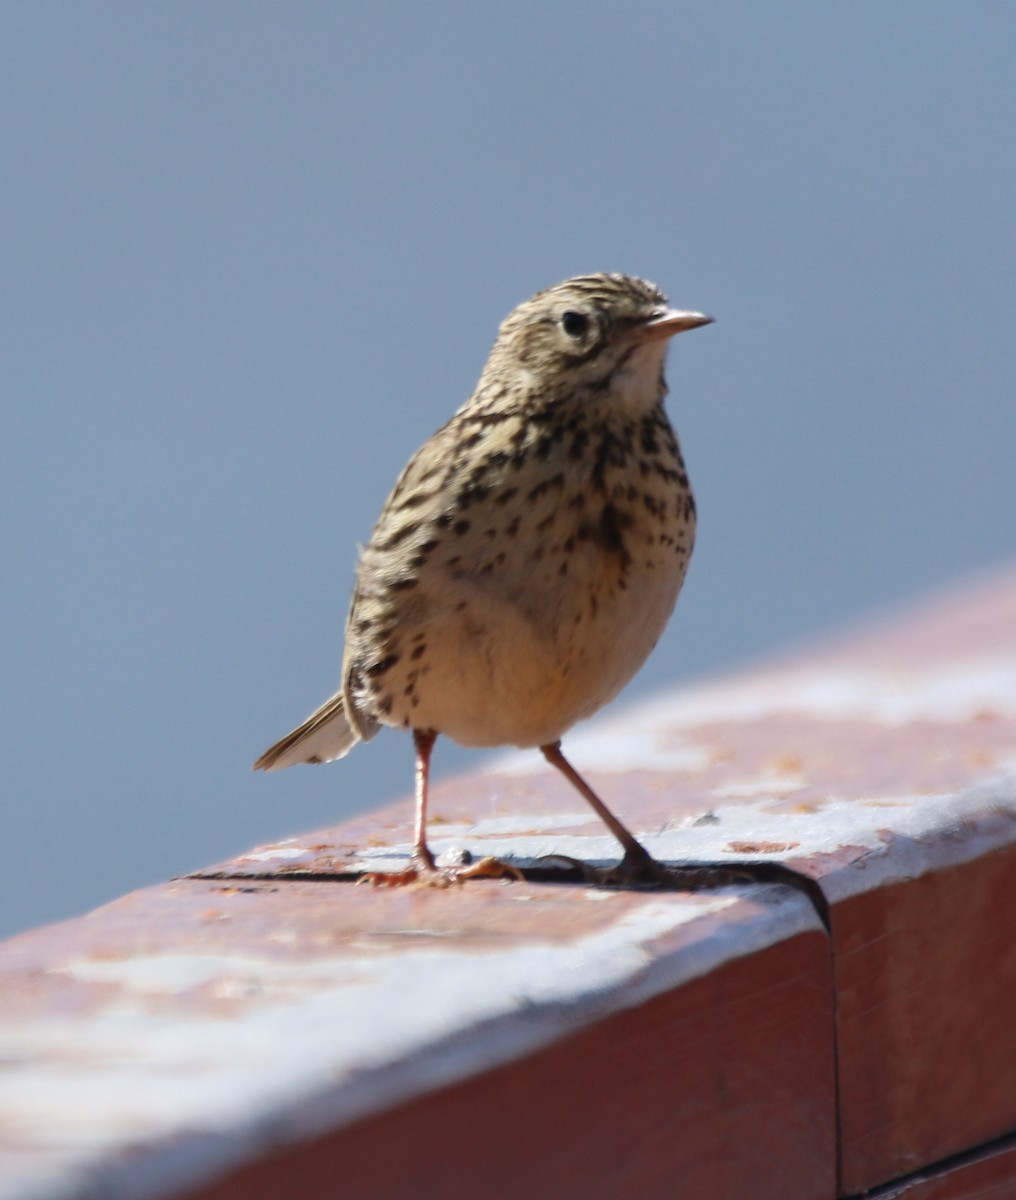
(323, 737)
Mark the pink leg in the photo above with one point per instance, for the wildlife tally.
(637, 864)
(424, 740)
(422, 867)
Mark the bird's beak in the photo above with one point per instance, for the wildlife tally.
(670, 321)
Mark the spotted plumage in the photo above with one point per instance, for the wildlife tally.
(531, 553)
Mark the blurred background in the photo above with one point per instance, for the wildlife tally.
(253, 255)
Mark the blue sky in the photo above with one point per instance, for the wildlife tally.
(255, 254)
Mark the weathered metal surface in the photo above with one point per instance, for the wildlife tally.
(926, 999)
(189, 1028)
(882, 769)
(337, 1035)
(722, 1087)
(989, 1174)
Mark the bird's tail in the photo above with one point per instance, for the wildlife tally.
(326, 735)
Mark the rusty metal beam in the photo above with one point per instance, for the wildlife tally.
(269, 1022)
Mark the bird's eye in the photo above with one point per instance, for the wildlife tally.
(574, 323)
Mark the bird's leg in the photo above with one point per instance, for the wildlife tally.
(637, 865)
(422, 867)
(423, 740)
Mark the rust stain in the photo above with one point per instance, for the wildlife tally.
(761, 847)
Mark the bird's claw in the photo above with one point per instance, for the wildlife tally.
(421, 873)
(642, 870)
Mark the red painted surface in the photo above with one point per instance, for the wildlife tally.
(261, 1034)
(926, 1018)
(300, 1027)
(912, 720)
(987, 1175)
(718, 1089)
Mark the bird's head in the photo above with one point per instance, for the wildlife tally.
(604, 332)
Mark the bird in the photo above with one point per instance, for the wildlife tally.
(527, 559)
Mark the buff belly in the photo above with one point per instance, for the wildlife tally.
(520, 667)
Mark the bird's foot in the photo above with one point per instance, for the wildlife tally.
(638, 868)
(423, 871)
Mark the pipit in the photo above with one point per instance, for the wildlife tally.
(529, 556)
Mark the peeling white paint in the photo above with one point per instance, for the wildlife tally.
(951, 827)
(765, 785)
(648, 735)
(313, 1043)
(954, 691)
(608, 746)
(273, 853)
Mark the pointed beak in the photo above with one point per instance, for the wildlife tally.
(669, 322)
